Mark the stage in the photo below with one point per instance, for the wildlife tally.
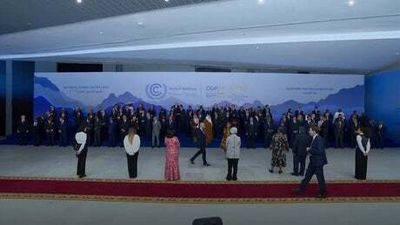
(107, 166)
(110, 163)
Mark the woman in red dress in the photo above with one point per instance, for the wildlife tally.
(172, 144)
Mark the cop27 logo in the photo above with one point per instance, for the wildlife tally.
(156, 91)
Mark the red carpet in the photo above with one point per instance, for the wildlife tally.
(192, 192)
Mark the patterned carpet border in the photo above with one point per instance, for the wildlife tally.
(118, 180)
(199, 200)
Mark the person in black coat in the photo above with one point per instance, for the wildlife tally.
(317, 162)
(112, 130)
(23, 130)
(62, 132)
(268, 132)
(124, 126)
(251, 132)
(379, 135)
(36, 133)
(148, 126)
(324, 130)
(78, 118)
(201, 141)
(293, 131)
(300, 145)
(353, 127)
(89, 131)
(339, 131)
(98, 125)
(49, 128)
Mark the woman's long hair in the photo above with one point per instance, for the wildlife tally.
(170, 133)
(131, 134)
(366, 131)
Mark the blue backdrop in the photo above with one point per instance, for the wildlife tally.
(383, 102)
(280, 91)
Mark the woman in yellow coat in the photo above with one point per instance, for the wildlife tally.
(226, 134)
(209, 129)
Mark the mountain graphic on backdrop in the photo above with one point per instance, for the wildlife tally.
(45, 88)
(45, 83)
(48, 94)
(125, 98)
(347, 98)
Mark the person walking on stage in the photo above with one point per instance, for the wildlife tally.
(132, 145)
(232, 154)
(172, 146)
(201, 141)
(82, 149)
(362, 149)
(300, 145)
(316, 165)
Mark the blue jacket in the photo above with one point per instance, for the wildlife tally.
(317, 151)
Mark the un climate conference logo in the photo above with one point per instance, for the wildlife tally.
(156, 91)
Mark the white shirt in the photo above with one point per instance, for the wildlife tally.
(131, 149)
(80, 138)
(337, 116)
(361, 147)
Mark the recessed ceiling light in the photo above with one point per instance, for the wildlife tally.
(261, 2)
(79, 1)
(101, 32)
(166, 0)
(351, 2)
(140, 23)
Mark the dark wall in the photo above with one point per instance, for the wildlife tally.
(22, 92)
(2, 98)
(77, 67)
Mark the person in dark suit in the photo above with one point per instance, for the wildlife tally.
(23, 130)
(89, 131)
(98, 125)
(62, 132)
(293, 131)
(353, 127)
(339, 131)
(112, 130)
(36, 133)
(301, 142)
(316, 165)
(124, 126)
(251, 133)
(50, 129)
(324, 130)
(78, 117)
(379, 135)
(201, 141)
(170, 123)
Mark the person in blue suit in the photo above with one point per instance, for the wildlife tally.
(316, 165)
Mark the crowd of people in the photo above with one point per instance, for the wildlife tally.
(127, 126)
(255, 125)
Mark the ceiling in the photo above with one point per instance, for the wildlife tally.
(345, 36)
(34, 14)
